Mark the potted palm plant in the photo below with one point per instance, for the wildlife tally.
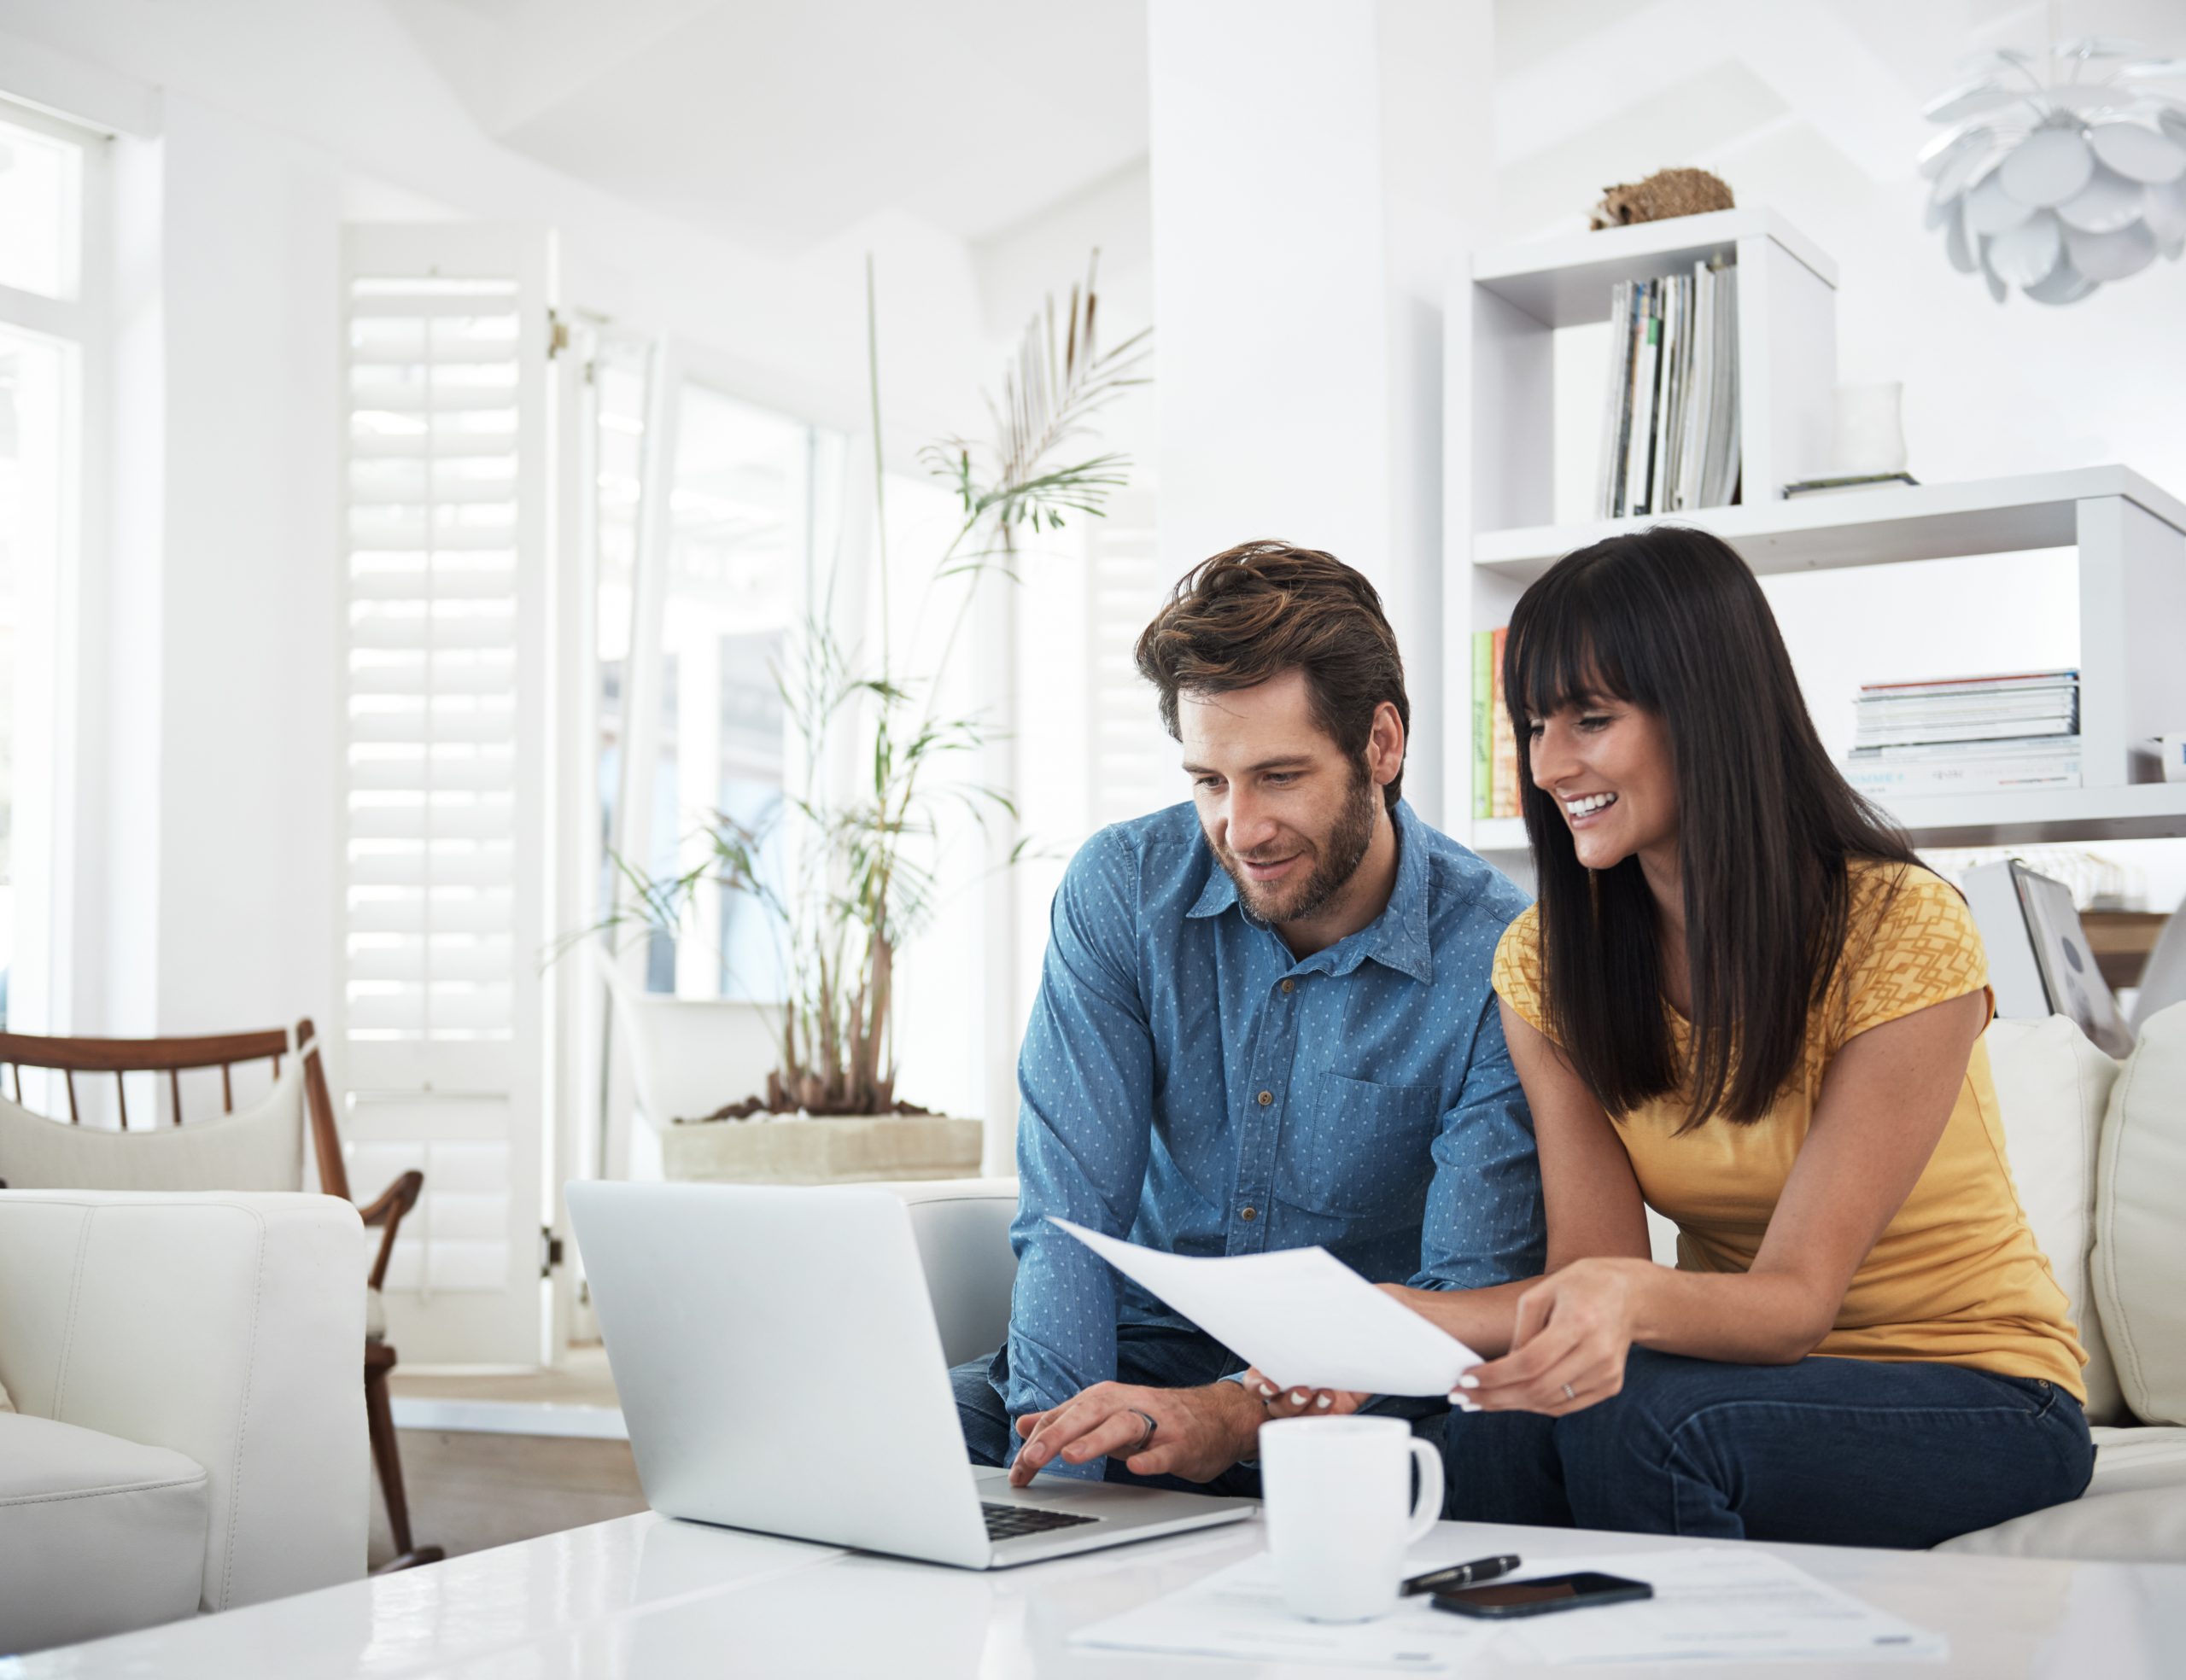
(860, 882)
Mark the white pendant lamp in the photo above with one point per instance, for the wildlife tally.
(2059, 176)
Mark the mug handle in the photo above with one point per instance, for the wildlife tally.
(1427, 1504)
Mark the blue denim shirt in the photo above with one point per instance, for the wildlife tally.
(1189, 1084)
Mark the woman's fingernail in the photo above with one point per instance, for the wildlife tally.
(1297, 1397)
(1323, 1402)
(1267, 1390)
(1468, 1382)
(1464, 1404)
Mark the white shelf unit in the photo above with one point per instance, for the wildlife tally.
(1498, 536)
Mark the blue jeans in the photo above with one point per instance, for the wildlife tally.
(1153, 1356)
(1846, 1452)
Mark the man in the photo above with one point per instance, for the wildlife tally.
(1265, 1022)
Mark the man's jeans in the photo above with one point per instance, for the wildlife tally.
(1847, 1452)
(1152, 1357)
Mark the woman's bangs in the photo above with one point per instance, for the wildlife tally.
(1562, 658)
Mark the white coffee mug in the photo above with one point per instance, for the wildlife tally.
(1340, 1512)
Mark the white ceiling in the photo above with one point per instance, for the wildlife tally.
(782, 124)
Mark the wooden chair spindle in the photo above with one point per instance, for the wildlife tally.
(175, 1084)
(69, 1078)
(227, 1091)
(121, 1097)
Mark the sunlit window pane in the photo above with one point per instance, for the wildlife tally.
(39, 225)
(33, 441)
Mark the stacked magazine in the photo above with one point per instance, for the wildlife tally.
(1967, 734)
(1670, 423)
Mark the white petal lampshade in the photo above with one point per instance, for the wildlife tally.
(1993, 208)
(2060, 285)
(2110, 256)
(2139, 152)
(2047, 168)
(2029, 252)
(2107, 203)
(2060, 183)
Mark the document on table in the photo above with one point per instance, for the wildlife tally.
(1720, 1604)
(1238, 1612)
(1717, 1604)
(1299, 1315)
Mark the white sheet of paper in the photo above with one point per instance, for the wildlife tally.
(1238, 1612)
(1717, 1604)
(1300, 1314)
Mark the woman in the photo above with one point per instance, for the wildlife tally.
(1741, 1001)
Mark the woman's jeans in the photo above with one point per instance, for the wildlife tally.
(1848, 1452)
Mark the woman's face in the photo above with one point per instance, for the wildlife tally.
(1607, 764)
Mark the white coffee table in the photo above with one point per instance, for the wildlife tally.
(647, 1598)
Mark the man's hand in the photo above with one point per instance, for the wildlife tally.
(1198, 1432)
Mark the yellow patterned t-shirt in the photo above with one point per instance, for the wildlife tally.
(1957, 1278)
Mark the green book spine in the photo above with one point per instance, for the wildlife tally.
(1483, 722)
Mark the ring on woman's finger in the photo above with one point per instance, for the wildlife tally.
(1569, 1393)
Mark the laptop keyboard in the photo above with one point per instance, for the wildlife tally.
(1008, 1522)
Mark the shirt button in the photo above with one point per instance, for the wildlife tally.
(1250, 1213)
(1289, 987)
(1265, 1098)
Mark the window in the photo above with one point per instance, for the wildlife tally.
(50, 316)
(751, 497)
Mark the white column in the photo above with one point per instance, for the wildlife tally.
(1314, 163)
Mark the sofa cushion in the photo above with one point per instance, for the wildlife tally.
(2053, 1087)
(2133, 1512)
(97, 1535)
(2140, 1186)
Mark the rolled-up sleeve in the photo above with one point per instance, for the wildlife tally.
(1484, 1223)
(1085, 1084)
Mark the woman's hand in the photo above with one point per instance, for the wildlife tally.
(1289, 1403)
(1567, 1351)
(1280, 1403)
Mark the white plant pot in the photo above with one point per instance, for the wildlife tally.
(820, 1149)
(690, 1056)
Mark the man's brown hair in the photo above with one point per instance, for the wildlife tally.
(1261, 609)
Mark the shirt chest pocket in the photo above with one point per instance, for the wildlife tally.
(1366, 1147)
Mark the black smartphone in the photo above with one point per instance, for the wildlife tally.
(1498, 1600)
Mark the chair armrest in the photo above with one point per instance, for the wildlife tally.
(227, 1327)
(961, 1225)
(392, 1202)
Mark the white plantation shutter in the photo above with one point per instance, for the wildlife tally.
(1131, 760)
(444, 569)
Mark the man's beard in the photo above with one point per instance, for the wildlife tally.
(1338, 855)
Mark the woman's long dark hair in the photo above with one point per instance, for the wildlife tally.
(1669, 620)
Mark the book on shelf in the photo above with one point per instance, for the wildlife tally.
(1838, 486)
(1669, 430)
(1483, 723)
(1503, 775)
(2018, 729)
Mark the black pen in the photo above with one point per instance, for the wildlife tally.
(1461, 1574)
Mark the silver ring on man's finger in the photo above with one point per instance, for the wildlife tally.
(1145, 1440)
(1569, 1393)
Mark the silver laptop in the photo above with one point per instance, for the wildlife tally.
(779, 1369)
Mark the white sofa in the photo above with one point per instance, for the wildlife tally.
(2098, 1149)
(189, 1433)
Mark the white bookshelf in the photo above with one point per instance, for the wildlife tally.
(1500, 532)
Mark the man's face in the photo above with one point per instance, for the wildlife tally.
(1289, 815)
